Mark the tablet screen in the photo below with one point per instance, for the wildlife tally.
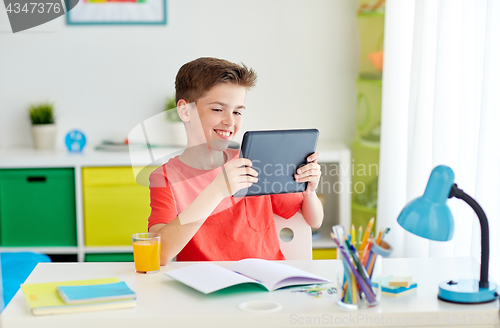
(276, 155)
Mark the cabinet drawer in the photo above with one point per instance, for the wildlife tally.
(109, 257)
(37, 207)
(324, 254)
(108, 176)
(114, 208)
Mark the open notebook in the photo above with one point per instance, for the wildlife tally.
(208, 277)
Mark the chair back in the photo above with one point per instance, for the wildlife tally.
(300, 246)
(15, 268)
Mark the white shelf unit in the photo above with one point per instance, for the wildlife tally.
(332, 152)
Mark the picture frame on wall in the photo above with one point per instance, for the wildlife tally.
(116, 12)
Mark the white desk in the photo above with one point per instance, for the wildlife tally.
(162, 302)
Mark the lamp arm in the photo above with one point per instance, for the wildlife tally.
(485, 234)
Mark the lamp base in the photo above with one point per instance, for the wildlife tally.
(467, 291)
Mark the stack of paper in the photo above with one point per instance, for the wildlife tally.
(398, 286)
(78, 296)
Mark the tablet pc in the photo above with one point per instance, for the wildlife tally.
(276, 155)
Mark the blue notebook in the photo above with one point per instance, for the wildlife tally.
(95, 293)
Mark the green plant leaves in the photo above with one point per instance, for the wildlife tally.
(42, 113)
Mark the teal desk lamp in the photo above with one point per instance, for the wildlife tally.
(429, 217)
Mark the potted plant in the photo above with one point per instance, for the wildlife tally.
(43, 127)
(175, 125)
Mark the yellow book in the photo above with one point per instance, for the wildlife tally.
(44, 299)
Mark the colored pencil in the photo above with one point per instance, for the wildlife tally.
(353, 234)
(385, 233)
(366, 235)
(358, 237)
(354, 289)
(360, 268)
(363, 284)
(347, 278)
(372, 265)
(367, 251)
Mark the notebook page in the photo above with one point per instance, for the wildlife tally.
(270, 274)
(207, 277)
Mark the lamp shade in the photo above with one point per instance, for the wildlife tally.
(428, 216)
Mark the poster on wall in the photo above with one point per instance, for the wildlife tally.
(125, 12)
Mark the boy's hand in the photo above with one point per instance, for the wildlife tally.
(235, 176)
(310, 173)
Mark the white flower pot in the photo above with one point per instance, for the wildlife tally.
(177, 133)
(44, 136)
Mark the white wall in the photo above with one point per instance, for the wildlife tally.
(106, 79)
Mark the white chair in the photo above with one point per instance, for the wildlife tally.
(300, 246)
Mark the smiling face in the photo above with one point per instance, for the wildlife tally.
(220, 112)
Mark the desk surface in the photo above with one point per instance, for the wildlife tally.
(163, 302)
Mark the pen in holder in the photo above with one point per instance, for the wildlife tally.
(358, 284)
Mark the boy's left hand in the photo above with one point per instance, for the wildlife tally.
(311, 173)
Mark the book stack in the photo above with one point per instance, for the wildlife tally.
(78, 296)
(398, 286)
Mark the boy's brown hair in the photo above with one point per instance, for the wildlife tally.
(198, 76)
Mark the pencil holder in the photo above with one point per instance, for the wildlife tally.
(358, 283)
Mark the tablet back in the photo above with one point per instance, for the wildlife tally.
(276, 155)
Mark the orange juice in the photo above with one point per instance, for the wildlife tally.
(147, 255)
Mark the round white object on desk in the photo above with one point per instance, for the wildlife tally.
(260, 306)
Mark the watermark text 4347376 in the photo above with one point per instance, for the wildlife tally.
(25, 14)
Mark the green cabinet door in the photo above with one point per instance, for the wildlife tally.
(37, 207)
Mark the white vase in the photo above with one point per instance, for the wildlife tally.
(177, 133)
(44, 136)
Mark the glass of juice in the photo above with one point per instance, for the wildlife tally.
(146, 252)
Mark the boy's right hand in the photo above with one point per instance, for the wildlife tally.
(235, 176)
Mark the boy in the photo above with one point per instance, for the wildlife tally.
(191, 195)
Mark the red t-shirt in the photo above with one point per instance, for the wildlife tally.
(238, 228)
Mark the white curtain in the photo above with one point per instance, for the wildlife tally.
(441, 105)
